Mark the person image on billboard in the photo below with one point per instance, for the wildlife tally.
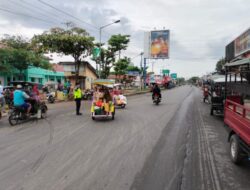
(159, 44)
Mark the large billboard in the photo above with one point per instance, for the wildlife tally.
(156, 44)
(242, 43)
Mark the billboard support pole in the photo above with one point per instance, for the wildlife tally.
(144, 73)
(141, 74)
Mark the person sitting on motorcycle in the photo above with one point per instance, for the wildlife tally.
(19, 99)
(156, 90)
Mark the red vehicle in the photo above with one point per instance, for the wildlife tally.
(237, 109)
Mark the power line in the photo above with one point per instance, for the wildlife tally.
(62, 20)
(49, 5)
(72, 16)
(28, 8)
(39, 8)
(29, 16)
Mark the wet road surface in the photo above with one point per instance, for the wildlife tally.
(176, 145)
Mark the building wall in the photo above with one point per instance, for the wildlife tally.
(34, 74)
(90, 77)
(86, 75)
(39, 75)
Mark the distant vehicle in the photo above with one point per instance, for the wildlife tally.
(119, 99)
(237, 109)
(50, 89)
(217, 94)
(156, 99)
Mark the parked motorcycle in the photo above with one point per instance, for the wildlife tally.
(18, 114)
(87, 95)
(156, 99)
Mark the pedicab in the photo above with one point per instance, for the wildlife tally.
(119, 99)
(103, 104)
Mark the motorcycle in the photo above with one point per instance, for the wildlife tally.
(51, 97)
(88, 94)
(156, 99)
(18, 114)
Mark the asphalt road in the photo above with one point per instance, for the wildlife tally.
(176, 145)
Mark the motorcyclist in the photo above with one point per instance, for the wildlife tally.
(156, 90)
(19, 99)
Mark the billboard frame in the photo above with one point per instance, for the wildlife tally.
(236, 54)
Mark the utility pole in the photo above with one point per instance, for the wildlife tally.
(141, 74)
(144, 73)
(100, 40)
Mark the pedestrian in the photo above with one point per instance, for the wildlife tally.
(78, 98)
(68, 85)
(2, 99)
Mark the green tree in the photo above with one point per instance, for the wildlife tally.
(19, 54)
(39, 60)
(220, 64)
(16, 42)
(133, 68)
(5, 57)
(193, 80)
(118, 42)
(14, 59)
(73, 41)
(121, 66)
(107, 58)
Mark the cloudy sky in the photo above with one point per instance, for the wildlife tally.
(199, 29)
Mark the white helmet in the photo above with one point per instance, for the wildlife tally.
(19, 86)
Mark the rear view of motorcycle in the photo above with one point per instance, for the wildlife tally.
(156, 99)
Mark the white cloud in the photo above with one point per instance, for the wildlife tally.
(200, 29)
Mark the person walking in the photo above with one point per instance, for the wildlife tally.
(78, 99)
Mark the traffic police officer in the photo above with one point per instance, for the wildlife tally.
(78, 98)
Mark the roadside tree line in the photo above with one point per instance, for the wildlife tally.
(19, 52)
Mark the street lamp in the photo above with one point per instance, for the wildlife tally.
(100, 30)
(100, 37)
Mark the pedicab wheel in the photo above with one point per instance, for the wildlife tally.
(123, 105)
(113, 115)
(0, 115)
(235, 150)
(43, 113)
(212, 111)
(93, 117)
(13, 118)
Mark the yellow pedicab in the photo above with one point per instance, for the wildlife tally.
(102, 105)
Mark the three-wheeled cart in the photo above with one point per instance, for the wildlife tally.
(237, 109)
(102, 108)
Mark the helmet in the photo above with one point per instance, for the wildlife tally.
(19, 86)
